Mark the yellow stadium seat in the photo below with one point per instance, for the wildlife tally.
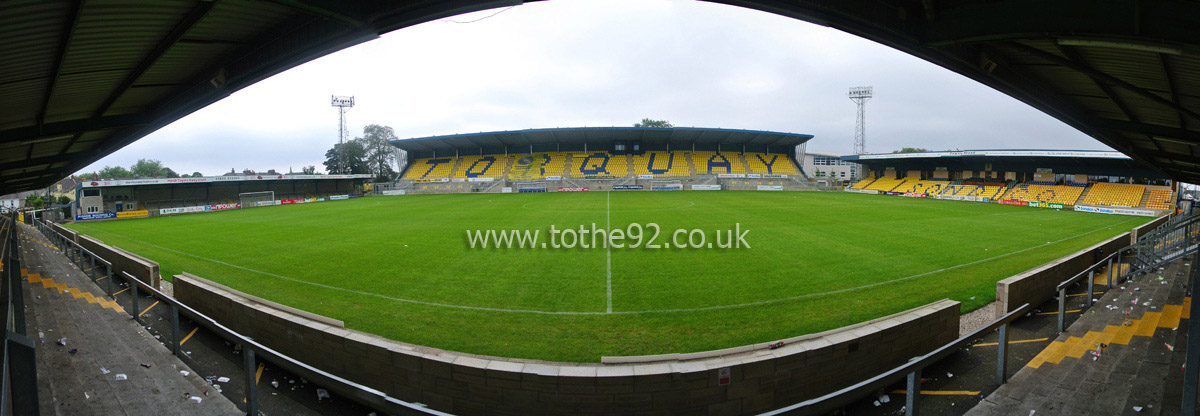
(1114, 194)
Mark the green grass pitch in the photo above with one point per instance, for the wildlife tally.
(401, 266)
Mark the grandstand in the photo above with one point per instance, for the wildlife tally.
(715, 163)
(597, 158)
(661, 164)
(1092, 181)
(1160, 199)
(769, 164)
(480, 166)
(430, 168)
(142, 197)
(599, 165)
(1047, 192)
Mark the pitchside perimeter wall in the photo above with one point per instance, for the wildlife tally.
(137, 266)
(1037, 285)
(754, 381)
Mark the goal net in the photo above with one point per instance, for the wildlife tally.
(535, 186)
(257, 199)
(666, 185)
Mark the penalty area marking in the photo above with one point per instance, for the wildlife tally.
(649, 311)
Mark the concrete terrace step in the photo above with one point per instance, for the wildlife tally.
(73, 383)
(1143, 351)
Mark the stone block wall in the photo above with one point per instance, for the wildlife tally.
(1037, 285)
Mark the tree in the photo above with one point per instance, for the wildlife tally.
(910, 150)
(114, 172)
(379, 153)
(151, 168)
(310, 170)
(33, 201)
(197, 175)
(646, 122)
(347, 159)
(63, 200)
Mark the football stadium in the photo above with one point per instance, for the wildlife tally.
(602, 270)
(783, 254)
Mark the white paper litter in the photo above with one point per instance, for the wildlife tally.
(120, 377)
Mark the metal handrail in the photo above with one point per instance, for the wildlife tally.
(912, 369)
(1142, 260)
(18, 383)
(251, 348)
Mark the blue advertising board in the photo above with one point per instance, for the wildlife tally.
(96, 216)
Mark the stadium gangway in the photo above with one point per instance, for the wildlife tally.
(911, 371)
(252, 350)
(18, 383)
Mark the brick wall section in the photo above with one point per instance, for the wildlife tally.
(479, 385)
(1037, 285)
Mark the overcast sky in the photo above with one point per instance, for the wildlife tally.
(602, 63)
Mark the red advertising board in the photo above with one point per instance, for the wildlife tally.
(291, 201)
(572, 189)
(914, 195)
(1011, 202)
(219, 207)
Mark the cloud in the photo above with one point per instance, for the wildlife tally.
(603, 63)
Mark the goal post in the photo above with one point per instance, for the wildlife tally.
(257, 199)
(672, 185)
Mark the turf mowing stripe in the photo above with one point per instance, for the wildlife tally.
(534, 311)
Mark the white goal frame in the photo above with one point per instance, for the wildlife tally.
(257, 199)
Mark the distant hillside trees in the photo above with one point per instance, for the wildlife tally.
(144, 168)
(647, 122)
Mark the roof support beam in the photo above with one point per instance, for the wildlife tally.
(1100, 75)
(1073, 54)
(1169, 75)
(63, 128)
(310, 8)
(195, 15)
(1189, 136)
(44, 160)
(64, 43)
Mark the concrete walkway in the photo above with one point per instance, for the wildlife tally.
(110, 364)
(1123, 356)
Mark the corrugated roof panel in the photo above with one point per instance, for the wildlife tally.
(22, 101)
(183, 63)
(78, 96)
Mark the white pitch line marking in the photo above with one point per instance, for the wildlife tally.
(608, 247)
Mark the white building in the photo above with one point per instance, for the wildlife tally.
(828, 167)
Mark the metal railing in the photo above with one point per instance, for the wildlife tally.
(1090, 273)
(910, 371)
(18, 383)
(252, 351)
(1170, 241)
